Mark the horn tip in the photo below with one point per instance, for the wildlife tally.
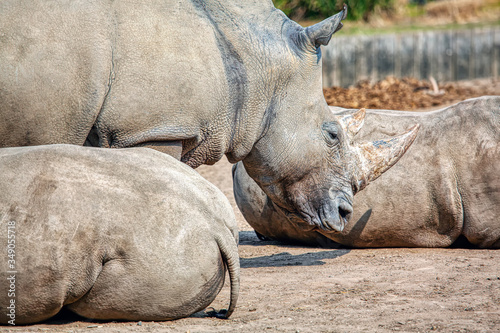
(415, 127)
(413, 131)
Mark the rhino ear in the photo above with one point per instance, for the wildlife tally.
(378, 156)
(353, 122)
(321, 33)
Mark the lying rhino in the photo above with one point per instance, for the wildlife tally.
(447, 185)
(110, 234)
(194, 78)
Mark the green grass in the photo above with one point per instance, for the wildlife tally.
(354, 28)
(414, 11)
(364, 30)
(414, 18)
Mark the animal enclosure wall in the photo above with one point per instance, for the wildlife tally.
(447, 55)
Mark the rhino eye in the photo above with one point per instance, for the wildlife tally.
(331, 132)
(332, 135)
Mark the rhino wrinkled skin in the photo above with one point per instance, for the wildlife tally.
(194, 78)
(111, 234)
(447, 185)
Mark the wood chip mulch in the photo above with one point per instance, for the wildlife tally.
(403, 94)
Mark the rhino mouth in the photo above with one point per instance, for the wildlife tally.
(334, 219)
(330, 217)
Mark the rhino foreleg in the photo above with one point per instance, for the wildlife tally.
(172, 148)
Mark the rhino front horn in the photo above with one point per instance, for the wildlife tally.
(376, 157)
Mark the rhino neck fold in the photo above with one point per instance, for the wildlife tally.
(234, 69)
(252, 54)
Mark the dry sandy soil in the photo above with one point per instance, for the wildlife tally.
(299, 289)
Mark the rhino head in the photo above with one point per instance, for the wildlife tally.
(317, 182)
(305, 160)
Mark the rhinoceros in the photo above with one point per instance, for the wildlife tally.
(129, 234)
(446, 186)
(194, 78)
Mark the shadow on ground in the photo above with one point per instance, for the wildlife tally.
(251, 238)
(287, 259)
(66, 316)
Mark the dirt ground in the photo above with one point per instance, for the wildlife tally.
(299, 289)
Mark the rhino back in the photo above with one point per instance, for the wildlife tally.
(165, 56)
(122, 74)
(192, 71)
(139, 214)
(55, 61)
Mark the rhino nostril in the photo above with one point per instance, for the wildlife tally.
(345, 211)
(334, 215)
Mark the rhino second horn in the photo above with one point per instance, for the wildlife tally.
(321, 33)
(353, 122)
(377, 157)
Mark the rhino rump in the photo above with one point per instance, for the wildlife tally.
(113, 234)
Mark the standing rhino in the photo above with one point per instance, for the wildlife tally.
(111, 234)
(447, 185)
(194, 78)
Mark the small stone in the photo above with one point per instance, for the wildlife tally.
(139, 323)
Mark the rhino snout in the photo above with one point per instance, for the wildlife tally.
(335, 214)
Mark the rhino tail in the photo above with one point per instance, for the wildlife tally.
(229, 251)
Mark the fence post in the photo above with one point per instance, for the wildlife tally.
(496, 52)
(447, 55)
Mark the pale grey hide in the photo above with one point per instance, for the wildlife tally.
(446, 185)
(194, 78)
(111, 234)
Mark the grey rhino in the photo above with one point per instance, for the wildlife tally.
(128, 234)
(447, 185)
(194, 78)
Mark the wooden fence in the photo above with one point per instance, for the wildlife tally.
(447, 55)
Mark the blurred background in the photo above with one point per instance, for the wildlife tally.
(407, 54)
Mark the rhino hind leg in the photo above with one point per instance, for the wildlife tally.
(37, 312)
(134, 291)
(42, 297)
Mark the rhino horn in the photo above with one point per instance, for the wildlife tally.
(376, 157)
(353, 122)
(321, 33)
